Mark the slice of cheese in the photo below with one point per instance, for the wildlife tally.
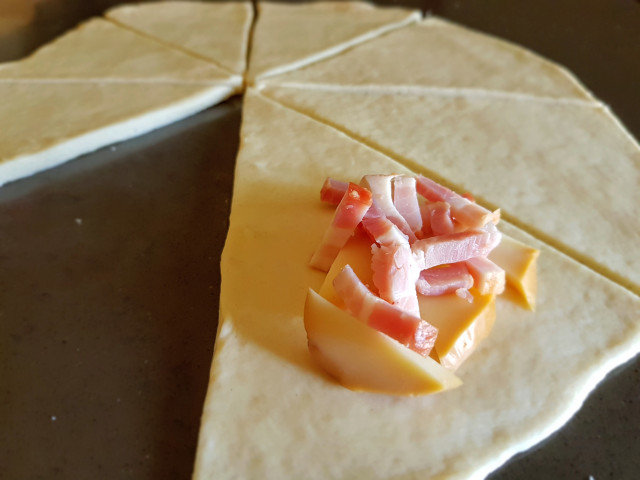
(519, 263)
(461, 325)
(288, 36)
(567, 172)
(441, 57)
(271, 413)
(217, 32)
(99, 50)
(361, 358)
(44, 125)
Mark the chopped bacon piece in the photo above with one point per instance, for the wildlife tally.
(405, 199)
(381, 188)
(469, 214)
(441, 222)
(489, 277)
(394, 271)
(454, 248)
(380, 228)
(425, 212)
(346, 218)
(444, 279)
(409, 330)
(333, 191)
(395, 274)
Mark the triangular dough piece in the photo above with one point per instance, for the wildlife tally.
(441, 56)
(288, 36)
(99, 50)
(568, 172)
(271, 413)
(218, 32)
(44, 125)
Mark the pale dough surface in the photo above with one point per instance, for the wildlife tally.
(438, 55)
(99, 50)
(44, 125)
(270, 413)
(568, 172)
(95, 85)
(288, 36)
(217, 31)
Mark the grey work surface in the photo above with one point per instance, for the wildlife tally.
(109, 276)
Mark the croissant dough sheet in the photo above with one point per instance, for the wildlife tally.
(48, 124)
(567, 172)
(288, 36)
(439, 56)
(218, 32)
(99, 50)
(95, 85)
(266, 396)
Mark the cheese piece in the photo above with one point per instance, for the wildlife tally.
(99, 50)
(217, 32)
(47, 124)
(461, 325)
(361, 358)
(440, 57)
(271, 413)
(567, 172)
(519, 263)
(288, 36)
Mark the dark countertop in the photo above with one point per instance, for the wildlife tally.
(110, 271)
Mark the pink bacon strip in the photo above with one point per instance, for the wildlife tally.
(346, 218)
(380, 187)
(468, 213)
(444, 279)
(454, 248)
(440, 216)
(425, 212)
(394, 275)
(380, 228)
(375, 223)
(489, 278)
(333, 191)
(394, 271)
(405, 199)
(409, 330)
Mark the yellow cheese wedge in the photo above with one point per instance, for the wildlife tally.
(519, 263)
(461, 325)
(361, 358)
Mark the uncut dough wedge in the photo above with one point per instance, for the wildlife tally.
(217, 32)
(271, 413)
(99, 50)
(44, 125)
(439, 56)
(565, 171)
(289, 36)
